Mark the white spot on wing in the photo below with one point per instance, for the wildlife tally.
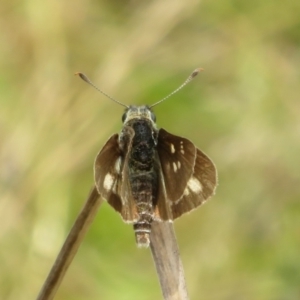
(186, 192)
(194, 185)
(172, 148)
(174, 167)
(118, 165)
(178, 164)
(114, 188)
(108, 181)
(181, 148)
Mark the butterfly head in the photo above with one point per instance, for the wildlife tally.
(138, 112)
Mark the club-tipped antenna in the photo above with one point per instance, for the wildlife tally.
(87, 80)
(189, 79)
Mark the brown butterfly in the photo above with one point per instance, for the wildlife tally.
(147, 174)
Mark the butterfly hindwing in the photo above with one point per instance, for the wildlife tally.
(162, 208)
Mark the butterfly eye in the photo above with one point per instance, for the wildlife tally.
(153, 117)
(124, 117)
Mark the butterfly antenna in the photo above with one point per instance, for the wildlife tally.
(86, 79)
(189, 79)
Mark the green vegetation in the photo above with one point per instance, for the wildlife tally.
(244, 111)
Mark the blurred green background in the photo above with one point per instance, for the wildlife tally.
(244, 111)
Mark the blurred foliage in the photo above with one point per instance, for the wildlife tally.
(244, 111)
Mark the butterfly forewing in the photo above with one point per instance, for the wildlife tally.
(109, 170)
(200, 187)
(177, 157)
